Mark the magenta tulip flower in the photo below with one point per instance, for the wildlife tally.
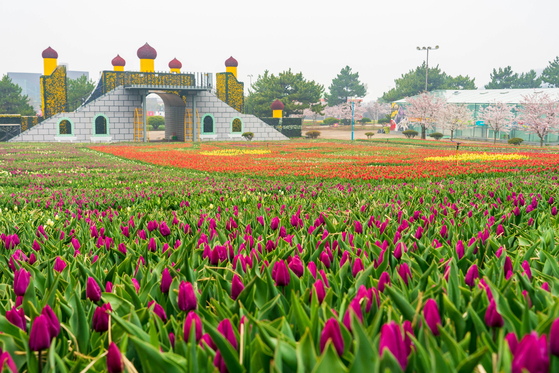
(226, 330)
(114, 359)
(192, 319)
(391, 339)
(166, 281)
(554, 338)
(471, 275)
(320, 291)
(531, 355)
(405, 273)
(383, 281)
(17, 318)
(7, 362)
(39, 338)
(274, 224)
(54, 324)
(333, 333)
(187, 298)
(158, 310)
(357, 267)
(21, 281)
(236, 287)
(355, 307)
(100, 321)
(164, 229)
(432, 316)
(492, 318)
(280, 274)
(93, 291)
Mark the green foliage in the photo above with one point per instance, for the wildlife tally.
(436, 135)
(506, 78)
(248, 136)
(11, 100)
(386, 130)
(413, 83)
(550, 74)
(293, 90)
(369, 134)
(383, 120)
(515, 141)
(156, 121)
(313, 134)
(330, 121)
(78, 91)
(346, 84)
(365, 120)
(410, 134)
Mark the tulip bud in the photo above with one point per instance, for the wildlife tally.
(93, 291)
(492, 318)
(297, 266)
(531, 354)
(274, 224)
(21, 281)
(507, 266)
(357, 267)
(187, 298)
(332, 332)
(358, 227)
(164, 229)
(152, 246)
(166, 281)
(54, 324)
(226, 330)
(407, 340)
(158, 310)
(432, 317)
(512, 341)
(114, 359)
(191, 318)
(392, 340)
(554, 338)
(383, 280)
(312, 269)
(405, 273)
(355, 307)
(59, 264)
(325, 259)
(281, 274)
(7, 362)
(236, 287)
(39, 338)
(17, 318)
(172, 339)
(100, 321)
(207, 340)
(320, 291)
(471, 275)
(527, 270)
(545, 286)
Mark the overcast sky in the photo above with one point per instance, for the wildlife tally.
(378, 39)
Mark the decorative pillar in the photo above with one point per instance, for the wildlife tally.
(50, 60)
(118, 63)
(175, 66)
(147, 56)
(277, 109)
(231, 66)
(145, 115)
(194, 123)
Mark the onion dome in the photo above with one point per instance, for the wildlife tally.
(49, 53)
(175, 64)
(146, 52)
(277, 105)
(231, 62)
(118, 61)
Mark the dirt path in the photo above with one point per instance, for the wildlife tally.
(345, 133)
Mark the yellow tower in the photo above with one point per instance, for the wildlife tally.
(50, 58)
(277, 107)
(175, 66)
(147, 56)
(231, 66)
(118, 63)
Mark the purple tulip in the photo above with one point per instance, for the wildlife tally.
(320, 291)
(100, 321)
(17, 318)
(332, 332)
(312, 269)
(471, 275)
(355, 307)
(54, 324)
(512, 341)
(36, 246)
(383, 281)
(460, 249)
(152, 246)
(280, 274)
(545, 286)
(39, 338)
(325, 259)
(274, 224)
(59, 264)
(236, 287)
(492, 318)
(7, 362)
(187, 298)
(166, 281)
(405, 273)
(109, 287)
(531, 355)
(507, 266)
(554, 338)
(400, 248)
(357, 267)
(358, 227)
(21, 281)
(158, 310)
(226, 330)
(407, 340)
(164, 229)
(172, 339)
(114, 359)
(297, 266)
(554, 211)
(392, 340)
(93, 291)
(207, 340)
(432, 317)
(527, 270)
(192, 317)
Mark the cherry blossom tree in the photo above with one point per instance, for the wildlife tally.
(454, 117)
(343, 111)
(377, 109)
(424, 109)
(539, 113)
(499, 117)
(314, 111)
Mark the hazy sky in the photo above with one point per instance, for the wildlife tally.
(375, 38)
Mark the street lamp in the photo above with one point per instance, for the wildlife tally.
(427, 63)
(352, 111)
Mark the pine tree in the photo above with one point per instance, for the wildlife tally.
(502, 79)
(346, 84)
(550, 74)
(11, 100)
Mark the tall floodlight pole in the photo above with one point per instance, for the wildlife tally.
(427, 62)
(352, 110)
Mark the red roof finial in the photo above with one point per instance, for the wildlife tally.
(146, 52)
(118, 61)
(175, 64)
(277, 105)
(231, 62)
(49, 53)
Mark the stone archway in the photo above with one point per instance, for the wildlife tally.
(174, 114)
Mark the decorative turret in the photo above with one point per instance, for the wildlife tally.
(277, 107)
(50, 62)
(231, 66)
(118, 63)
(175, 66)
(147, 55)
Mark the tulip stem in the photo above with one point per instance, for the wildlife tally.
(40, 361)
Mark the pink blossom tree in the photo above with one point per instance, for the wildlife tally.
(454, 117)
(540, 114)
(343, 111)
(499, 117)
(377, 109)
(313, 111)
(424, 109)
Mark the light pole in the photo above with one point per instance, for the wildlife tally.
(352, 110)
(250, 78)
(427, 62)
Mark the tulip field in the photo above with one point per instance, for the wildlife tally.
(401, 256)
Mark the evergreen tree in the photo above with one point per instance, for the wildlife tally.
(550, 74)
(346, 84)
(528, 80)
(11, 100)
(502, 79)
(78, 91)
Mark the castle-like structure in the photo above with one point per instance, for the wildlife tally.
(197, 107)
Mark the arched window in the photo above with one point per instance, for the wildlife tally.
(237, 125)
(208, 124)
(65, 127)
(100, 125)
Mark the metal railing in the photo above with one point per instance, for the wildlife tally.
(9, 131)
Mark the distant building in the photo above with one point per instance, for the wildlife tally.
(31, 86)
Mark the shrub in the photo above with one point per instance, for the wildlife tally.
(313, 134)
(156, 121)
(248, 136)
(383, 121)
(330, 121)
(410, 134)
(515, 141)
(365, 120)
(386, 130)
(436, 135)
(369, 134)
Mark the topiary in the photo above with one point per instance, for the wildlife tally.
(330, 121)
(313, 134)
(156, 121)
(248, 136)
(383, 121)
(365, 120)
(387, 130)
(436, 135)
(410, 134)
(369, 134)
(515, 141)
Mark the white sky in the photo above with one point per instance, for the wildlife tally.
(375, 38)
